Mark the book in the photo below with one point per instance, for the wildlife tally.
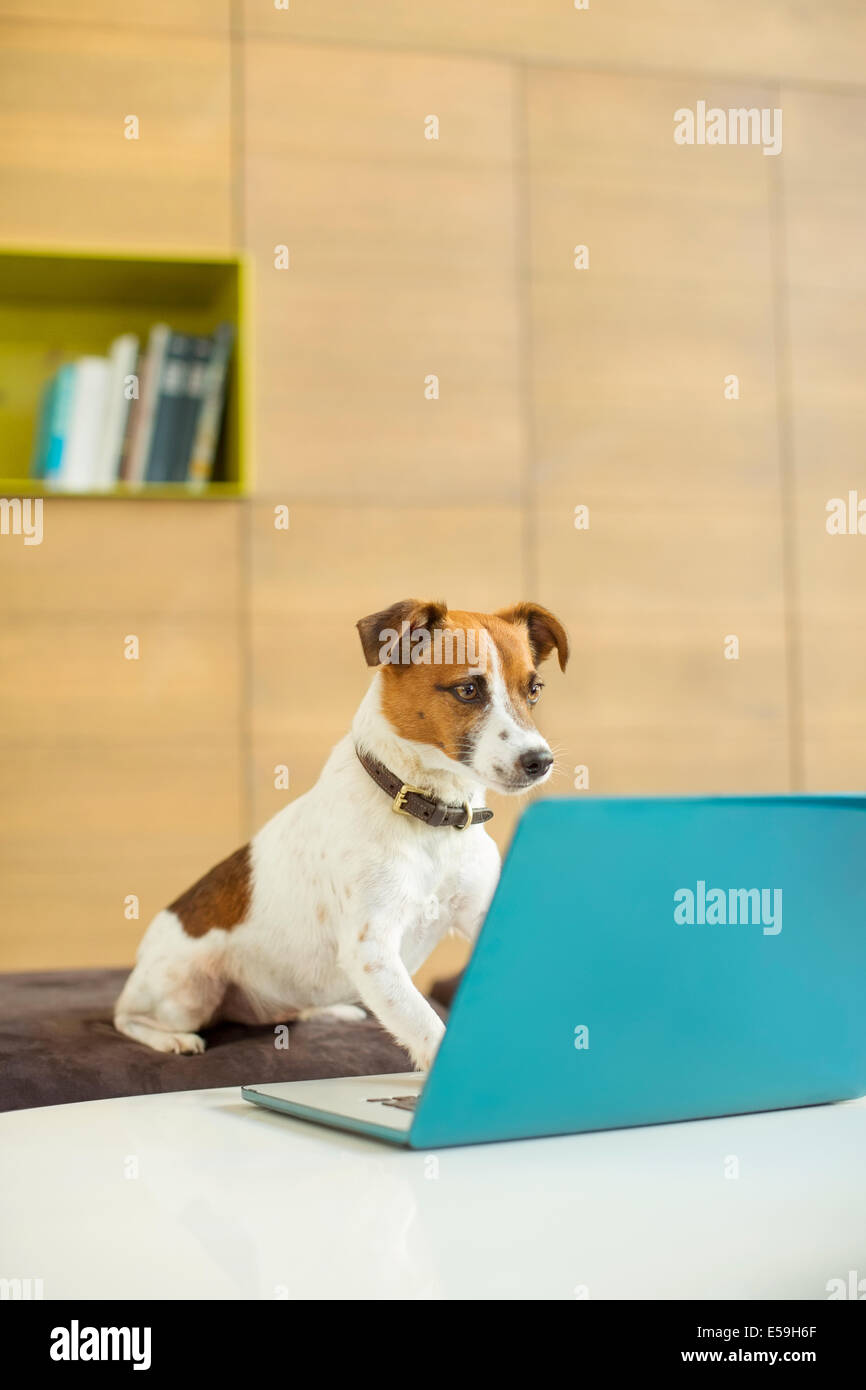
(122, 357)
(207, 430)
(196, 383)
(86, 418)
(43, 428)
(58, 421)
(133, 420)
(149, 386)
(167, 436)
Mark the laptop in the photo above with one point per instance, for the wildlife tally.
(644, 960)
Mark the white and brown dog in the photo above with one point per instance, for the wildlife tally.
(338, 900)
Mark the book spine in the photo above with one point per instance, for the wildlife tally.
(133, 423)
(61, 405)
(86, 423)
(210, 415)
(43, 428)
(122, 359)
(168, 417)
(144, 416)
(197, 380)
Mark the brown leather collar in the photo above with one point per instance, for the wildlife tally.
(412, 801)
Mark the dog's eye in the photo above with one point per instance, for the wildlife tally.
(466, 692)
(534, 691)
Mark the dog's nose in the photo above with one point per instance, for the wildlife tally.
(536, 762)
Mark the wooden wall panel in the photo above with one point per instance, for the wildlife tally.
(403, 265)
(630, 356)
(824, 199)
(75, 684)
(118, 777)
(775, 37)
(684, 487)
(205, 15)
(106, 557)
(67, 173)
(83, 826)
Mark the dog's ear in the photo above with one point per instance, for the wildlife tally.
(545, 631)
(381, 632)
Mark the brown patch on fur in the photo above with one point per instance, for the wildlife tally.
(320, 912)
(362, 935)
(220, 899)
(521, 636)
(348, 892)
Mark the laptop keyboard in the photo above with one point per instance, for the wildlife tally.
(398, 1102)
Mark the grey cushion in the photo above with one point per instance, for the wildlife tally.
(58, 1044)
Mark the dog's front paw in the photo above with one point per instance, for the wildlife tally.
(423, 1053)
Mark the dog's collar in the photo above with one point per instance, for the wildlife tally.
(412, 801)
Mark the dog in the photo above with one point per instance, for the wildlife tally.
(344, 893)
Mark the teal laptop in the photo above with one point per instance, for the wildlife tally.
(644, 960)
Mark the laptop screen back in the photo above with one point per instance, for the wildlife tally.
(648, 960)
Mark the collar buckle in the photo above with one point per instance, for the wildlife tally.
(399, 802)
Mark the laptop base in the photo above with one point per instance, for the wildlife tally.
(378, 1106)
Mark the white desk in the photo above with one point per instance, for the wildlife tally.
(233, 1202)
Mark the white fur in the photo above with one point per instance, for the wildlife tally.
(504, 736)
(348, 899)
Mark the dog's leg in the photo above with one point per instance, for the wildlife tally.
(156, 1036)
(470, 908)
(166, 1022)
(386, 988)
(167, 1000)
(346, 1013)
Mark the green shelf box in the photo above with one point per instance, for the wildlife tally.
(56, 305)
